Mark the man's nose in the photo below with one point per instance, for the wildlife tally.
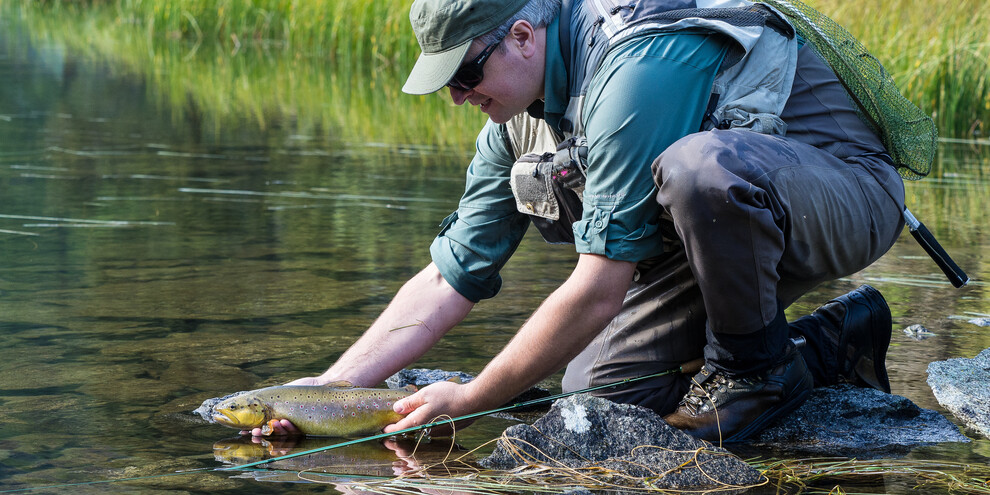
(459, 96)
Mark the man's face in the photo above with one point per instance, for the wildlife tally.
(513, 75)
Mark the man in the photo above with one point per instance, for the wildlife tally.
(722, 173)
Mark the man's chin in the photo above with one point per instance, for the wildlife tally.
(499, 117)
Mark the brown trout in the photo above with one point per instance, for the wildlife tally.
(335, 410)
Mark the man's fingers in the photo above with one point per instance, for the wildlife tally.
(409, 404)
(282, 427)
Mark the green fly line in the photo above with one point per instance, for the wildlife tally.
(244, 467)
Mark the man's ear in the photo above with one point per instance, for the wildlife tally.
(523, 35)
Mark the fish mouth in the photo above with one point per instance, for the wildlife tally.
(225, 418)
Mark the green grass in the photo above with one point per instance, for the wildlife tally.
(336, 66)
(938, 51)
(273, 63)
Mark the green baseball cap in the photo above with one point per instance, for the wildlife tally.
(444, 30)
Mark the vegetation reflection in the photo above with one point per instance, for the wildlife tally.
(336, 66)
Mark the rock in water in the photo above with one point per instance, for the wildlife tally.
(421, 377)
(960, 385)
(851, 421)
(918, 332)
(586, 431)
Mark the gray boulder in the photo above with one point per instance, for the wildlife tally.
(850, 421)
(961, 386)
(584, 431)
(421, 377)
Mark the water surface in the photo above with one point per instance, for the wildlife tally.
(150, 262)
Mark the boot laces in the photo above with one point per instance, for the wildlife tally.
(711, 389)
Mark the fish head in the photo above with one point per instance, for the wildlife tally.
(241, 411)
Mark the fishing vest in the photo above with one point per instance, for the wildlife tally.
(750, 89)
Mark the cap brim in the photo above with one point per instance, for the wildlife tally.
(433, 70)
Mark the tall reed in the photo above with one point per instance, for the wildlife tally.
(937, 50)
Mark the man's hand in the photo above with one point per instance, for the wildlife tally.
(433, 403)
(280, 428)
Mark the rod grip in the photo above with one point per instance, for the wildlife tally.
(693, 366)
(956, 276)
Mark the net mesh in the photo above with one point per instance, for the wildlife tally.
(909, 135)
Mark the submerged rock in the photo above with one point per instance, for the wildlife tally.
(421, 377)
(918, 332)
(960, 385)
(851, 421)
(583, 431)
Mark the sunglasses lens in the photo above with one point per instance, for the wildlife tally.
(466, 78)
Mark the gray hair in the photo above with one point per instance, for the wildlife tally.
(539, 13)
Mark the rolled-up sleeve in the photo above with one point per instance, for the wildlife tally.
(479, 238)
(647, 94)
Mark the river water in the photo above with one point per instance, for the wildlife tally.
(151, 262)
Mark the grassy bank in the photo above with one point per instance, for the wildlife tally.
(338, 64)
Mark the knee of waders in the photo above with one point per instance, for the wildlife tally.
(701, 167)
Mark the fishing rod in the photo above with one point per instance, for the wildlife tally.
(689, 367)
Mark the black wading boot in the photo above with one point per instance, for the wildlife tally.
(732, 409)
(858, 324)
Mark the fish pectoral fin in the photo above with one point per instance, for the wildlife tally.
(268, 427)
(340, 384)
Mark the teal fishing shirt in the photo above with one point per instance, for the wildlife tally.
(648, 93)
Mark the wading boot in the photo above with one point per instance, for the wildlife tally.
(733, 409)
(859, 324)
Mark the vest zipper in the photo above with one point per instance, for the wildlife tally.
(594, 28)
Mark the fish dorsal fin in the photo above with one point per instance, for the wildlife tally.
(340, 384)
(455, 379)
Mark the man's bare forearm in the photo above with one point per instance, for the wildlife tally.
(422, 312)
(557, 332)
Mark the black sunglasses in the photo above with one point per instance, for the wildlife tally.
(472, 73)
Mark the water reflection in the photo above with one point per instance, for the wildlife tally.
(386, 459)
(150, 263)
